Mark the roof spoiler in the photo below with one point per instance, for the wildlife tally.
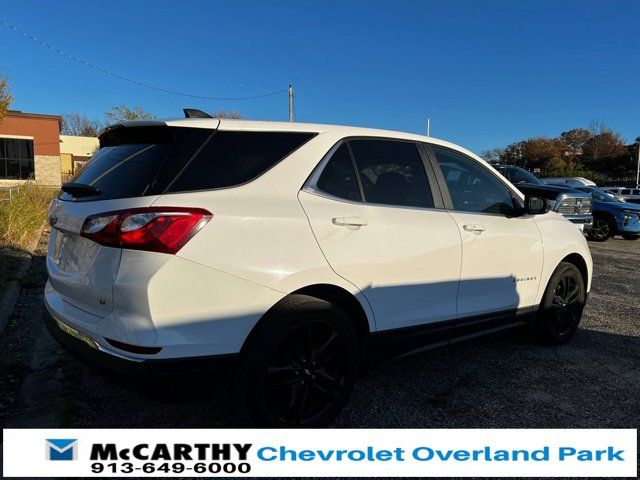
(195, 113)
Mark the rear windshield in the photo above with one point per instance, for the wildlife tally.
(139, 161)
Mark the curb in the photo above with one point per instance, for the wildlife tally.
(12, 291)
(13, 287)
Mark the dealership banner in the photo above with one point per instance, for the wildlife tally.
(319, 453)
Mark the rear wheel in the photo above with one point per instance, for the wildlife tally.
(561, 308)
(601, 230)
(300, 366)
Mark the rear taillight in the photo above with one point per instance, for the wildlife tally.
(156, 229)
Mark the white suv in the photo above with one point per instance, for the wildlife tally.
(293, 251)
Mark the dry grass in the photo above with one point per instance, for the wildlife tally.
(22, 217)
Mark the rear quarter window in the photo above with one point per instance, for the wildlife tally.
(233, 158)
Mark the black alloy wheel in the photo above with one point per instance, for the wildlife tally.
(562, 305)
(300, 364)
(601, 230)
(565, 306)
(306, 373)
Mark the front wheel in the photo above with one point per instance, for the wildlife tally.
(631, 237)
(562, 304)
(300, 366)
(601, 230)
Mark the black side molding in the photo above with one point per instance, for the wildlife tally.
(399, 342)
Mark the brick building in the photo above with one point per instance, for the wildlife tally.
(30, 148)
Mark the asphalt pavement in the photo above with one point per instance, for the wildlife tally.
(492, 382)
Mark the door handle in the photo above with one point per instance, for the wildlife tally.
(348, 221)
(474, 227)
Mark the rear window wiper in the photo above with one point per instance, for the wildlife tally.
(80, 189)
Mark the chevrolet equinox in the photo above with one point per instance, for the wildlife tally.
(294, 252)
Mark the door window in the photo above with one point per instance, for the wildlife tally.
(392, 173)
(472, 187)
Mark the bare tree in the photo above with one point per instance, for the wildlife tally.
(220, 113)
(77, 124)
(122, 113)
(494, 155)
(5, 97)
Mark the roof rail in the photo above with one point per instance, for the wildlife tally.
(195, 113)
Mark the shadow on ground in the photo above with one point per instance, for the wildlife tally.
(501, 381)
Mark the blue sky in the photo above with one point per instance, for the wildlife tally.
(487, 72)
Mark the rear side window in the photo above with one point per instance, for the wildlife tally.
(234, 158)
(338, 177)
(138, 161)
(392, 173)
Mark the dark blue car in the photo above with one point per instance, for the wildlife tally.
(612, 217)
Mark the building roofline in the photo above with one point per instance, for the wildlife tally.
(19, 113)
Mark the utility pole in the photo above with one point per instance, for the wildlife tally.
(428, 126)
(291, 103)
(638, 166)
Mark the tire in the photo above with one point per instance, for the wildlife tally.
(601, 230)
(299, 367)
(631, 237)
(561, 309)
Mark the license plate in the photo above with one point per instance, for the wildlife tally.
(76, 334)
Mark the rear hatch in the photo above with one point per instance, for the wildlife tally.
(135, 164)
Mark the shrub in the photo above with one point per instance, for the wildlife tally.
(23, 213)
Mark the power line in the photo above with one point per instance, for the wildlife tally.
(126, 79)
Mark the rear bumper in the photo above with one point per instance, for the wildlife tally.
(118, 363)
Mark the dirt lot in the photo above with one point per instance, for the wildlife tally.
(503, 381)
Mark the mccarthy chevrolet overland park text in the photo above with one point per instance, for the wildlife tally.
(240, 452)
(294, 252)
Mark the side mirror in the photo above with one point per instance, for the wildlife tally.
(535, 205)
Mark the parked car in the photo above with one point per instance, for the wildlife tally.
(571, 181)
(574, 205)
(612, 217)
(624, 193)
(288, 253)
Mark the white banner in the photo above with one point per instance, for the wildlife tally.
(319, 453)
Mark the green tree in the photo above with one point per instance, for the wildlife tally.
(512, 155)
(5, 97)
(605, 151)
(536, 152)
(122, 113)
(575, 139)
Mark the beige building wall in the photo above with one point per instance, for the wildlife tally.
(66, 163)
(47, 170)
(78, 146)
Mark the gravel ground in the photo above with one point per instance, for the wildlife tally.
(501, 381)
